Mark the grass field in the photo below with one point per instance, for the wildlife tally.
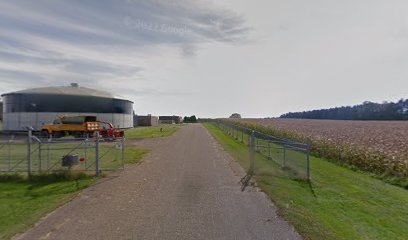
(24, 202)
(152, 132)
(338, 204)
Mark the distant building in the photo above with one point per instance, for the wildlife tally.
(167, 122)
(37, 106)
(170, 120)
(135, 121)
(148, 120)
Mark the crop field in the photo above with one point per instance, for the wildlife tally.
(377, 146)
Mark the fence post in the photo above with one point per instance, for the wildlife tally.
(48, 153)
(39, 157)
(308, 162)
(284, 156)
(123, 153)
(9, 151)
(242, 135)
(85, 152)
(29, 164)
(252, 153)
(97, 153)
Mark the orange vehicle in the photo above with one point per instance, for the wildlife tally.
(78, 126)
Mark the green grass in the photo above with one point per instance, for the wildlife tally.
(338, 204)
(151, 132)
(23, 202)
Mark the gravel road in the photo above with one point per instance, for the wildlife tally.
(185, 188)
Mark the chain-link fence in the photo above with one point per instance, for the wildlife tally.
(268, 153)
(32, 154)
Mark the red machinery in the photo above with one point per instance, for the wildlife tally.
(108, 131)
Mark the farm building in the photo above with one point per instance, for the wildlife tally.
(148, 120)
(170, 120)
(38, 106)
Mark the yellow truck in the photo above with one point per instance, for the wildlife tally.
(78, 126)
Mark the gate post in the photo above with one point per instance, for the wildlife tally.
(284, 155)
(39, 156)
(308, 162)
(9, 152)
(252, 153)
(123, 152)
(29, 163)
(97, 154)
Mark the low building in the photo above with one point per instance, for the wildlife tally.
(170, 120)
(166, 122)
(148, 120)
(135, 121)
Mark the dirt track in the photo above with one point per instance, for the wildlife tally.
(186, 188)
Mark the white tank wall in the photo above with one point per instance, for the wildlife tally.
(18, 121)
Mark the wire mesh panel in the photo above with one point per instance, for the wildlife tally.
(13, 156)
(112, 155)
(32, 154)
(53, 152)
(296, 161)
(272, 152)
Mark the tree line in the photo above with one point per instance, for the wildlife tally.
(192, 119)
(366, 111)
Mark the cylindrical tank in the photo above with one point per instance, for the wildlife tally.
(38, 106)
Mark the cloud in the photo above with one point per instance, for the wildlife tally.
(48, 42)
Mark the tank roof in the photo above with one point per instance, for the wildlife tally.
(73, 90)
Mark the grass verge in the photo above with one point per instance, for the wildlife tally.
(151, 132)
(338, 204)
(23, 202)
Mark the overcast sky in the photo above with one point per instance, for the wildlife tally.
(211, 58)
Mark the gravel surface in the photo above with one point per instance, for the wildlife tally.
(185, 188)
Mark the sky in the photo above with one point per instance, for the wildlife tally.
(211, 58)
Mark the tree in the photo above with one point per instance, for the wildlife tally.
(192, 119)
(235, 115)
(366, 111)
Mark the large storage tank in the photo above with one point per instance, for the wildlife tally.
(38, 106)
